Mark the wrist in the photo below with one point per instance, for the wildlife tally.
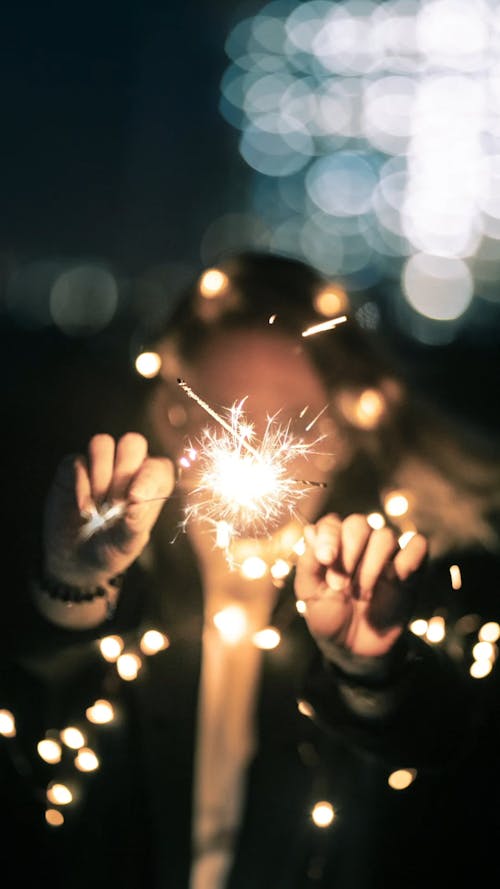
(82, 599)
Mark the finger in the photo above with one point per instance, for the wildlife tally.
(152, 485)
(131, 451)
(355, 533)
(410, 559)
(101, 454)
(72, 478)
(377, 557)
(326, 543)
(320, 542)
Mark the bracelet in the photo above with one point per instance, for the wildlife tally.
(73, 595)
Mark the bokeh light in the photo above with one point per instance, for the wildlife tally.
(372, 132)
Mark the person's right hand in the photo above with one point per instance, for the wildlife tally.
(110, 474)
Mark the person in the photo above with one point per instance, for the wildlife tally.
(221, 749)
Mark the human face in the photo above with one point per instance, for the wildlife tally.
(272, 371)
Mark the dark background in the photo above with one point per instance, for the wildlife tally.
(113, 151)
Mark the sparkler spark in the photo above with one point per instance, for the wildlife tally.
(245, 485)
(324, 325)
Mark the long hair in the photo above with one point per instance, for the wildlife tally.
(386, 438)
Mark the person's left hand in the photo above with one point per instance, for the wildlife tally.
(356, 583)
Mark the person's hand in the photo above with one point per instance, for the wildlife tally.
(110, 474)
(357, 583)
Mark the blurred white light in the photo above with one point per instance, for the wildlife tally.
(153, 641)
(436, 629)
(484, 651)
(100, 713)
(480, 669)
(111, 647)
(253, 568)
(489, 632)
(323, 814)
(148, 364)
(59, 794)
(341, 184)
(231, 623)
(128, 666)
(396, 504)
(49, 750)
(419, 626)
(405, 538)
(267, 639)
(438, 287)
(83, 300)
(73, 737)
(375, 520)
(401, 778)
(7, 724)
(86, 760)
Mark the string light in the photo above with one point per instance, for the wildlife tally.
(101, 712)
(419, 626)
(213, 283)
(267, 639)
(152, 641)
(489, 632)
(86, 760)
(231, 623)
(323, 814)
(375, 520)
(49, 750)
(59, 794)
(7, 724)
(456, 577)
(396, 504)
(111, 647)
(128, 666)
(436, 629)
(73, 737)
(148, 364)
(54, 818)
(401, 778)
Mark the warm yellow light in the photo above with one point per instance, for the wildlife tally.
(59, 794)
(148, 364)
(489, 632)
(405, 538)
(419, 626)
(223, 535)
(213, 283)
(305, 708)
(7, 724)
(480, 669)
(330, 301)
(436, 630)
(267, 638)
(253, 568)
(484, 651)
(396, 504)
(153, 641)
(100, 712)
(86, 761)
(54, 817)
(280, 569)
(128, 666)
(301, 606)
(401, 778)
(323, 814)
(73, 737)
(376, 520)
(369, 409)
(111, 647)
(49, 750)
(456, 577)
(300, 547)
(231, 623)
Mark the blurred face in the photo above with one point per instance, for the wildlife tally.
(276, 377)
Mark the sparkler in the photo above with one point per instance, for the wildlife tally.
(242, 486)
